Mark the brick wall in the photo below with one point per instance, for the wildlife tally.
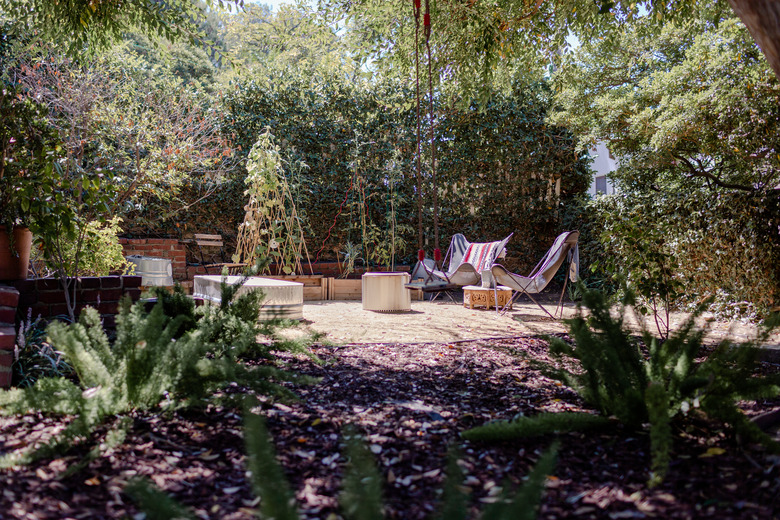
(9, 298)
(45, 297)
(170, 248)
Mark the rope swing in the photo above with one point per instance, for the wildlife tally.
(427, 33)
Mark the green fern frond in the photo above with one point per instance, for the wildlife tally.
(268, 480)
(77, 431)
(538, 425)
(525, 503)
(361, 496)
(51, 394)
(454, 500)
(115, 437)
(84, 344)
(660, 432)
(156, 504)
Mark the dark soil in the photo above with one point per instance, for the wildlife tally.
(411, 402)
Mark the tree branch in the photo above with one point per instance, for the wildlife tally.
(696, 172)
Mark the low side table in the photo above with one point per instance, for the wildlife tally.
(478, 296)
(386, 292)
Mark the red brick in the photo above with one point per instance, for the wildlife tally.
(7, 338)
(51, 296)
(28, 298)
(6, 358)
(88, 296)
(111, 282)
(57, 309)
(81, 306)
(7, 314)
(9, 296)
(47, 284)
(110, 295)
(89, 282)
(5, 377)
(24, 286)
(134, 294)
(109, 322)
(130, 282)
(108, 308)
(40, 309)
(156, 240)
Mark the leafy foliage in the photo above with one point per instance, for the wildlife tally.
(352, 137)
(99, 254)
(536, 426)
(155, 361)
(156, 504)
(34, 357)
(267, 477)
(692, 113)
(27, 142)
(480, 46)
(677, 249)
(695, 106)
(666, 383)
(82, 25)
(271, 227)
(361, 498)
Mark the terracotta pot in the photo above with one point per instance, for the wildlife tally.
(14, 264)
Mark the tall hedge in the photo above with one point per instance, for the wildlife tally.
(723, 247)
(501, 168)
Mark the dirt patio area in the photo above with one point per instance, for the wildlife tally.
(345, 322)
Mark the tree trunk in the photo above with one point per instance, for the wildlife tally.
(762, 19)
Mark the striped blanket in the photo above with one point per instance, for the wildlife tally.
(481, 256)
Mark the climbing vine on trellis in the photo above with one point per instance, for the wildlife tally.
(271, 227)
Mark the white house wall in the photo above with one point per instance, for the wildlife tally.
(603, 164)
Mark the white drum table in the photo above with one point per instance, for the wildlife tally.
(385, 292)
(283, 299)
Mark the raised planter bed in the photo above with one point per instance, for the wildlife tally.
(317, 287)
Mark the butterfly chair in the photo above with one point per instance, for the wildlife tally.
(564, 247)
(466, 262)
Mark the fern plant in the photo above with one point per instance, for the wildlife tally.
(361, 497)
(620, 381)
(156, 360)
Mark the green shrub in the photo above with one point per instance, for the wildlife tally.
(679, 250)
(151, 363)
(615, 376)
(101, 252)
(34, 357)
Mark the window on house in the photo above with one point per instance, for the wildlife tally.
(601, 184)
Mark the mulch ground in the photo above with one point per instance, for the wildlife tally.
(410, 402)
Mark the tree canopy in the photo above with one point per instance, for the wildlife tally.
(84, 26)
(696, 104)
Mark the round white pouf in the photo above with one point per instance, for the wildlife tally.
(385, 292)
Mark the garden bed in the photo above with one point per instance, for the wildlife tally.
(411, 402)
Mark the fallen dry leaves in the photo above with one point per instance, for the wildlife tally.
(410, 402)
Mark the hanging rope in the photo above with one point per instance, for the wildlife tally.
(427, 28)
(416, 7)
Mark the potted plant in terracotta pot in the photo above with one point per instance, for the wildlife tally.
(27, 175)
